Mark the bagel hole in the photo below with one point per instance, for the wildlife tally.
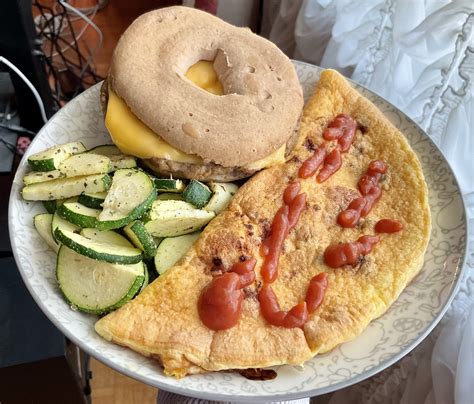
(203, 75)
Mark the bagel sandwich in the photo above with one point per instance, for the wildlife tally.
(195, 97)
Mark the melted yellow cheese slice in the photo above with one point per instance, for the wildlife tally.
(133, 137)
(203, 75)
(125, 128)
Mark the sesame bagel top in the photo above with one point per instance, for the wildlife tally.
(262, 98)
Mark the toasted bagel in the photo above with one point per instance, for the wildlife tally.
(204, 171)
(256, 115)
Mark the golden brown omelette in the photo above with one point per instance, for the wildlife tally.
(163, 321)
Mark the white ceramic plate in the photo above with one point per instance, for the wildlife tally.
(385, 341)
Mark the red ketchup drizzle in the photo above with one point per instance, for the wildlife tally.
(332, 163)
(343, 128)
(371, 193)
(271, 311)
(279, 230)
(388, 226)
(311, 165)
(220, 303)
(296, 207)
(315, 293)
(291, 191)
(339, 255)
(285, 219)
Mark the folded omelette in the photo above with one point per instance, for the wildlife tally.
(163, 322)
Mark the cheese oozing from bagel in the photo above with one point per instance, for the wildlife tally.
(125, 128)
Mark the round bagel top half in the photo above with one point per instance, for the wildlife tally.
(262, 99)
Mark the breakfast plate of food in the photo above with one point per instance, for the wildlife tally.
(218, 221)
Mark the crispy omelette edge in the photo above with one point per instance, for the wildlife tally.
(351, 101)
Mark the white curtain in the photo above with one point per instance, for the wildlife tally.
(418, 54)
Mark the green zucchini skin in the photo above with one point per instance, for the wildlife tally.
(197, 194)
(103, 253)
(72, 213)
(136, 213)
(50, 206)
(50, 159)
(74, 270)
(93, 201)
(63, 225)
(141, 238)
(168, 196)
(113, 215)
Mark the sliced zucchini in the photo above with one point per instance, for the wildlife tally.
(139, 236)
(222, 194)
(85, 164)
(171, 223)
(96, 287)
(34, 177)
(105, 150)
(93, 201)
(106, 236)
(169, 185)
(197, 193)
(168, 196)
(118, 162)
(78, 214)
(97, 250)
(66, 187)
(146, 280)
(49, 160)
(130, 196)
(160, 206)
(59, 223)
(172, 249)
(42, 223)
(50, 206)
